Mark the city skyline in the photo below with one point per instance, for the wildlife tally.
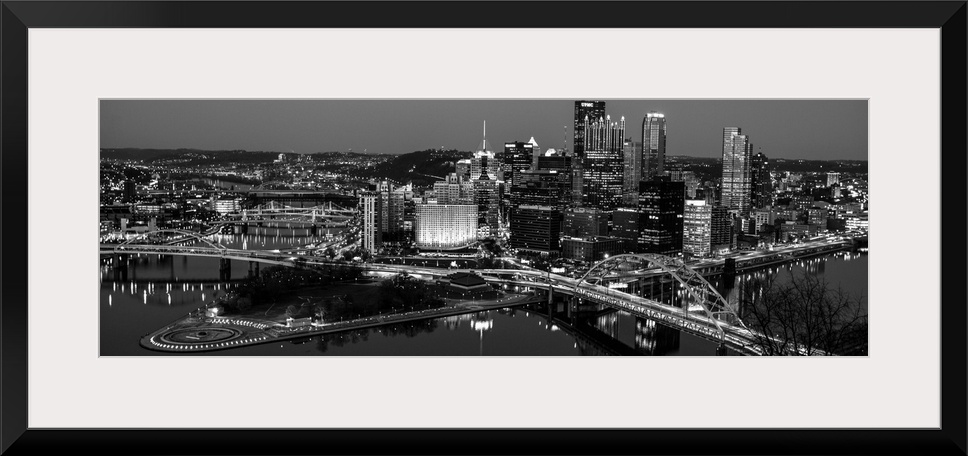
(785, 129)
(618, 247)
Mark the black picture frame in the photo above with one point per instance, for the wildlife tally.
(18, 16)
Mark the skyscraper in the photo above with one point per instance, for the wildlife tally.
(737, 180)
(488, 206)
(541, 188)
(697, 229)
(722, 228)
(761, 183)
(484, 162)
(383, 188)
(536, 228)
(399, 199)
(485, 176)
(653, 145)
(584, 110)
(632, 167)
(518, 157)
(661, 207)
(372, 232)
(602, 172)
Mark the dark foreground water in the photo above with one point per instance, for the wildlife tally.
(159, 290)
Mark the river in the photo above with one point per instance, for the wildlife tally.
(161, 289)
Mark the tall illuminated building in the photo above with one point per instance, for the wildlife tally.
(486, 180)
(602, 172)
(518, 157)
(584, 111)
(761, 184)
(383, 188)
(737, 179)
(721, 233)
(372, 232)
(653, 145)
(697, 229)
(632, 168)
(400, 199)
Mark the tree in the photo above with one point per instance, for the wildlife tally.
(804, 317)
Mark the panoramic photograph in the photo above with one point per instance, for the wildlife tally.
(483, 227)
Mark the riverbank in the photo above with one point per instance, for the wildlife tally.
(194, 333)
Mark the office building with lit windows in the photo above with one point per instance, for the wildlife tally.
(697, 229)
(372, 233)
(761, 183)
(653, 145)
(585, 111)
(541, 188)
(602, 172)
(454, 189)
(722, 228)
(486, 178)
(518, 156)
(737, 180)
(632, 169)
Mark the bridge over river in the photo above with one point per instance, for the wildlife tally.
(701, 310)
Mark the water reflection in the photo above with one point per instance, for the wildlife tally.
(159, 289)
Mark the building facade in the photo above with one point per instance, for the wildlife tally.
(536, 229)
(454, 189)
(761, 183)
(632, 168)
(653, 145)
(591, 249)
(372, 233)
(722, 228)
(584, 110)
(487, 197)
(736, 188)
(697, 229)
(585, 221)
(518, 157)
(661, 207)
(445, 226)
(602, 172)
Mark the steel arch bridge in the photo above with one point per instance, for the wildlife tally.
(186, 235)
(704, 296)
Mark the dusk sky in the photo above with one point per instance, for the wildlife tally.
(808, 129)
